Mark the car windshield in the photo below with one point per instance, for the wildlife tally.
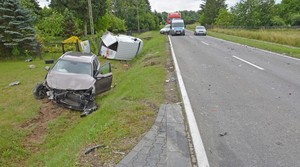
(67, 66)
(177, 25)
(200, 27)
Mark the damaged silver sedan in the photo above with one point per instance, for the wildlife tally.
(74, 81)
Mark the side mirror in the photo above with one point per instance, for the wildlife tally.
(47, 68)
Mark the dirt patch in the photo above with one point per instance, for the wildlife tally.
(39, 125)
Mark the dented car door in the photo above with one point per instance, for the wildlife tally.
(103, 78)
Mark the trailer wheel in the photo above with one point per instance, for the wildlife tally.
(39, 91)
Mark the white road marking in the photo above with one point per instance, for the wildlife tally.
(204, 43)
(191, 37)
(195, 133)
(248, 62)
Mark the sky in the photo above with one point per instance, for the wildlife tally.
(172, 5)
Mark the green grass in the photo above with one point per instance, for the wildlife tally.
(125, 113)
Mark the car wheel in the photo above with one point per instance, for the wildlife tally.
(40, 91)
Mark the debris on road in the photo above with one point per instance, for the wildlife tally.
(223, 134)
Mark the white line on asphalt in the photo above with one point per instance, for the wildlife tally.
(204, 43)
(195, 133)
(248, 62)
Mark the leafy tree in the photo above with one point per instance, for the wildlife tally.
(190, 17)
(33, 7)
(246, 13)
(266, 12)
(136, 13)
(224, 18)
(254, 13)
(111, 23)
(16, 31)
(52, 23)
(69, 26)
(211, 9)
(277, 21)
(288, 8)
(79, 9)
(295, 19)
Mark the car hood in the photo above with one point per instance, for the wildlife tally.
(69, 81)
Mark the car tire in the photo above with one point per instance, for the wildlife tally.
(40, 91)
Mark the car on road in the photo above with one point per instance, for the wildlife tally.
(74, 81)
(200, 30)
(165, 30)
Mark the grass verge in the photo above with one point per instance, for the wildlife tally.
(125, 113)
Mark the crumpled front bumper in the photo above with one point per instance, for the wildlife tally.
(82, 100)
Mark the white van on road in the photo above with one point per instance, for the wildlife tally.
(177, 27)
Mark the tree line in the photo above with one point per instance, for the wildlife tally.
(24, 25)
(251, 13)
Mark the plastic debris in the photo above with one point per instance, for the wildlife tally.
(14, 83)
(31, 66)
(89, 150)
(223, 134)
(28, 60)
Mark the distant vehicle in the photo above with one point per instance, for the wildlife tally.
(165, 30)
(174, 15)
(200, 30)
(177, 27)
(119, 47)
(74, 81)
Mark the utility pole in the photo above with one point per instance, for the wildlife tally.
(138, 16)
(91, 18)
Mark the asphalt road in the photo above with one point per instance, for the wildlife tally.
(246, 101)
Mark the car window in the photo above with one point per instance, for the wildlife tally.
(67, 66)
(95, 66)
(200, 27)
(105, 68)
(177, 24)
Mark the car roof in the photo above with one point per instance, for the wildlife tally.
(200, 27)
(78, 57)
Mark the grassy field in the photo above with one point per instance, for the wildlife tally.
(38, 133)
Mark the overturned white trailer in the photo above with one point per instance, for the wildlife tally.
(120, 47)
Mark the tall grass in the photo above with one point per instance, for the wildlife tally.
(290, 37)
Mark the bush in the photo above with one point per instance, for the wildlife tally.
(277, 21)
(295, 20)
